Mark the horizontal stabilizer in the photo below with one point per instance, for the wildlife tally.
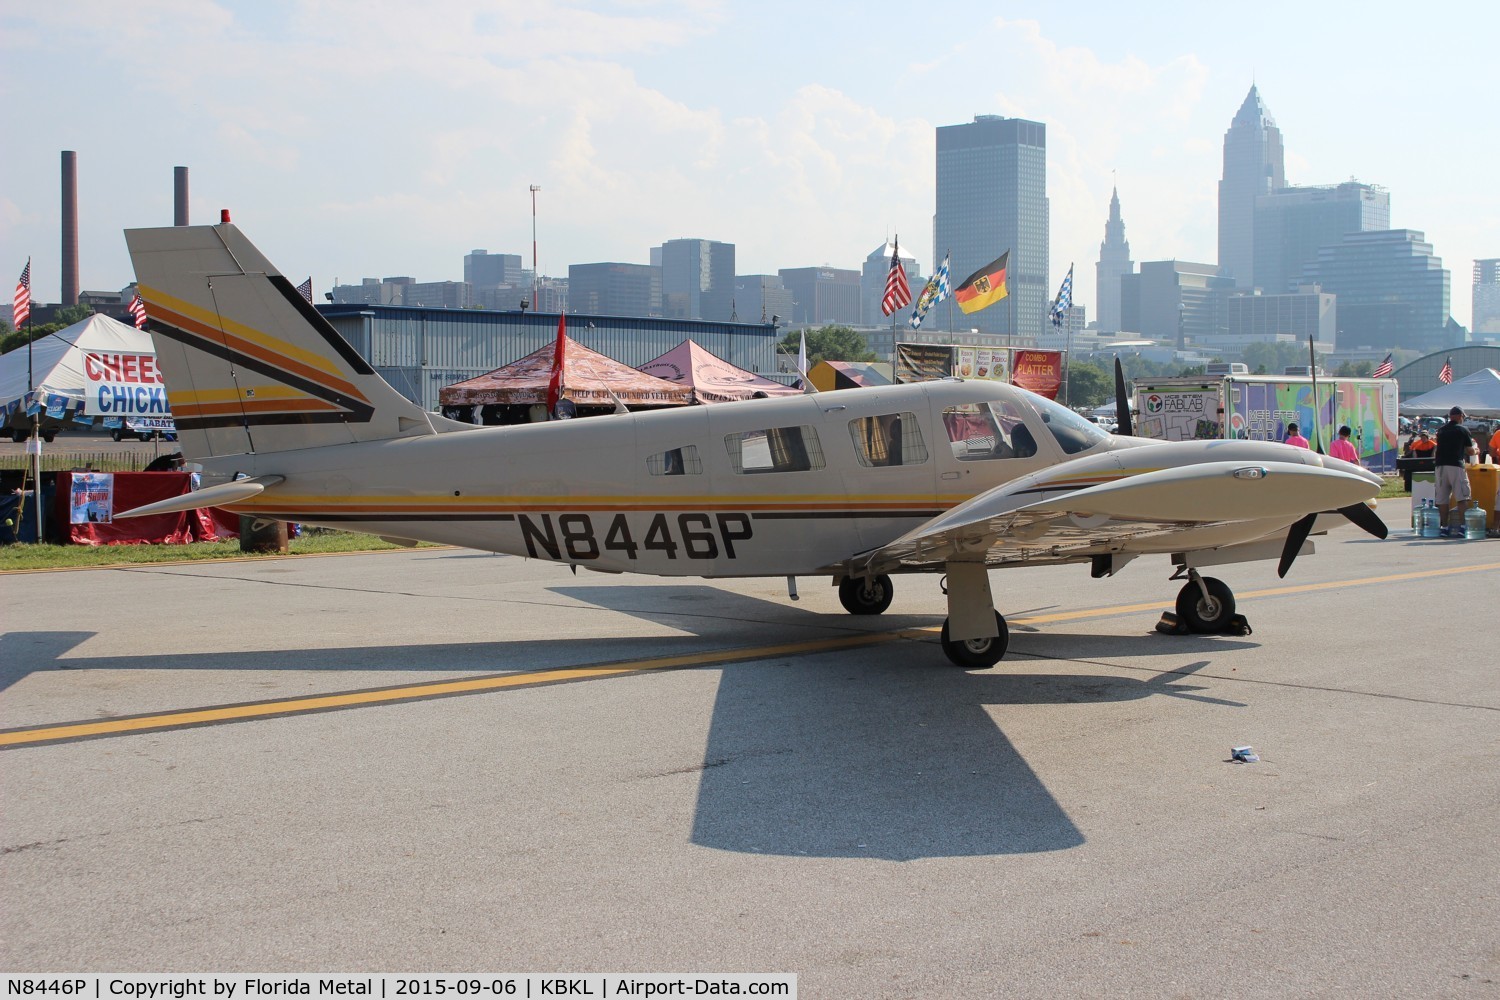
(214, 496)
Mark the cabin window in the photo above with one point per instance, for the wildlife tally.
(982, 431)
(889, 439)
(1072, 432)
(682, 461)
(776, 449)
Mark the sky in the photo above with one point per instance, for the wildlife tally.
(366, 138)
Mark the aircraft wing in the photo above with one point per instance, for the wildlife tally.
(1069, 513)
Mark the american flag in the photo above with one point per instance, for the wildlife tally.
(1064, 300)
(1384, 369)
(306, 288)
(21, 309)
(1446, 375)
(935, 291)
(138, 311)
(897, 289)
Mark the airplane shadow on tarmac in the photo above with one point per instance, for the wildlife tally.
(887, 752)
(884, 751)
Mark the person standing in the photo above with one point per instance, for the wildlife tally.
(1343, 448)
(1294, 437)
(1454, 444)
(1495, 446)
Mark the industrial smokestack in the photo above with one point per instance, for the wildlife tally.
(69, 227)
(179, 196)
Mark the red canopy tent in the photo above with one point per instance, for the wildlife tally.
(710, 378)
(588, 379)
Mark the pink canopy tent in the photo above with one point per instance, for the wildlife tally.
(710, 378)
(588, 379)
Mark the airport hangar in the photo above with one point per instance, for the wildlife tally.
(420, 349)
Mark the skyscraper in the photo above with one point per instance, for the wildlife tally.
(1486, 317)
(822, 295)
(1253, 166)
(1392, 291)
(1292, 223)
(1114, 260)
(992, 197)
(877, 268)
(614, 289)
(697, 279)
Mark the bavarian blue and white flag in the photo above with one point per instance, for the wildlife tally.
(1064, 300)
(935, 291)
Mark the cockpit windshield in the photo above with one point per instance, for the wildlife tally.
(1073, 433)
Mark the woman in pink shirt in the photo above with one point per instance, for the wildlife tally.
(1294, 437)
(1342, 447)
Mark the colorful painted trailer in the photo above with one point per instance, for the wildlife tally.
(1259, 407)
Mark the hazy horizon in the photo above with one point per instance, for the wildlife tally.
(357, 140)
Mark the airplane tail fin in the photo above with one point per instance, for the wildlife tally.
(250, 366)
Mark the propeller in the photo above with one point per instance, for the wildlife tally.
(1122, 403)
(1358, 513)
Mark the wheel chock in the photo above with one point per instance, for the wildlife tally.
(1170, 624)
(1238, 626)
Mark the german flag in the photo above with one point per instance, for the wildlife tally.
(984, 287)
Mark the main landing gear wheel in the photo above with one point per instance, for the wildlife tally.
(866, 596)
(977, 654)
(1210, 615)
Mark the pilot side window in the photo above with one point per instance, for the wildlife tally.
(682, 461)
(982, 431)
(1072, 432)
(777, 449)
(890, 439)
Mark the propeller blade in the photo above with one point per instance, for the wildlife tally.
(1122, 403)
(1364, 517)
(1295, 536)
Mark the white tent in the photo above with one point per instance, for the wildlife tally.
(98, 367)
(1478, 393)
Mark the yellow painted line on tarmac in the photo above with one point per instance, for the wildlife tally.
(416, 692)
(495, 682)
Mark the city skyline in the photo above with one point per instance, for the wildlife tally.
(349, 145)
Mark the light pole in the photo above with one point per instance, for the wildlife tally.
(536, 278)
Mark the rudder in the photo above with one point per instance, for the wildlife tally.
(250, 366)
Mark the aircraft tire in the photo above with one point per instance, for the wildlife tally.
(977, 654)
(1206, 617)
(866, 596)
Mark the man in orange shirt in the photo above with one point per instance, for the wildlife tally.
(1495, 446)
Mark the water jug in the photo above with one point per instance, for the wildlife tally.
(1416, 516)
(1474, 520)
(1432, 522)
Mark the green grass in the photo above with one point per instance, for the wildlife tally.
(314, 541)
(1394, 487)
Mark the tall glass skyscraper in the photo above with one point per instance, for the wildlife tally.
(1293, 223)
(697, 279)
(1114, 260)
(992, 197)
(1486, 318)
(1253, 166)
(1392, 291)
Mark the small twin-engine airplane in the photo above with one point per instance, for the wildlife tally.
(951, 476)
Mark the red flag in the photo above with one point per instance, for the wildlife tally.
(555, 386)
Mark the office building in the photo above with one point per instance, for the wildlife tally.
(1114, 260)
(615, 289)
(762, 298)
(1253, 166)
(405, 291)
(992, 198)
(1392, 292)
(1293, 223)
(1307, 311)
(872, 278)
(1174, 301)
(484, 268)
(697, 279)
(823, 295)
(1486, 296)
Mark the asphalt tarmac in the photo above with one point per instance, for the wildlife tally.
(439, 760)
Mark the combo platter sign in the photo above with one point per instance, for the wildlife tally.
(124, 385)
